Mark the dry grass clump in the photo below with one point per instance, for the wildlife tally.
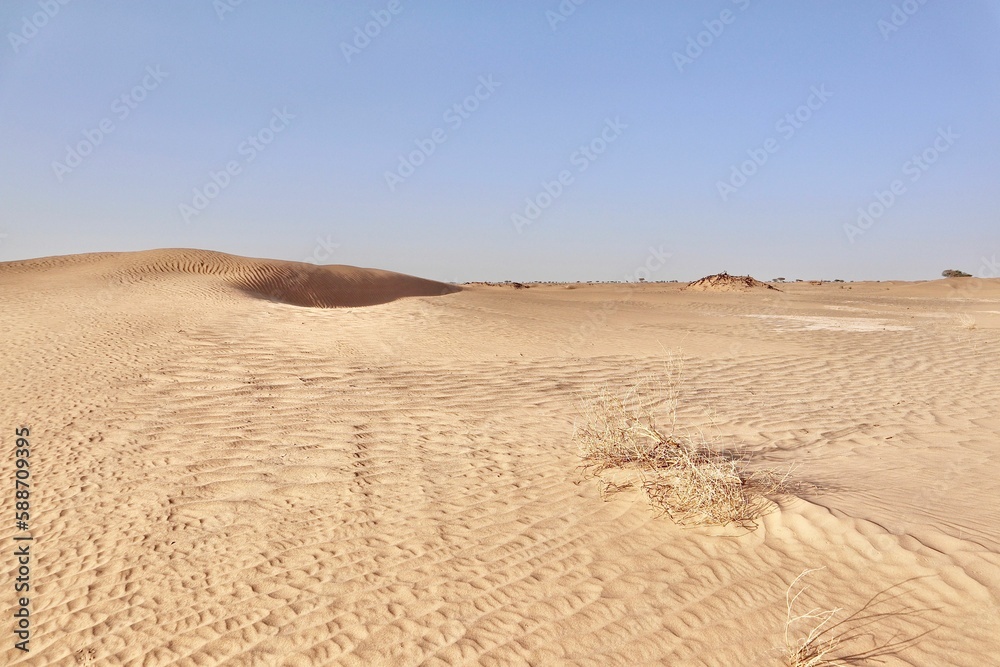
(710, 489)
(966, 321)
(682, 474)
(815, 647)
(812, 638)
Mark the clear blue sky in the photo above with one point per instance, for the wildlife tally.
(181, 87)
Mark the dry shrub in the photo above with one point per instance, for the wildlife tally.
(682, 473)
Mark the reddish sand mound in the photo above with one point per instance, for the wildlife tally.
(294, 283)
(723, 282)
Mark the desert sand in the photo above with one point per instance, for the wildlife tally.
(253, 462)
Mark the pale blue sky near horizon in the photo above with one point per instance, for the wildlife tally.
(895, 79)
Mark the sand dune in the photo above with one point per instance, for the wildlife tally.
(294, 283)
(225, 477)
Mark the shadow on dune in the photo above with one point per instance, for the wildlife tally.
(332, 286)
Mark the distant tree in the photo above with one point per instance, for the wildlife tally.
(955, 273)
